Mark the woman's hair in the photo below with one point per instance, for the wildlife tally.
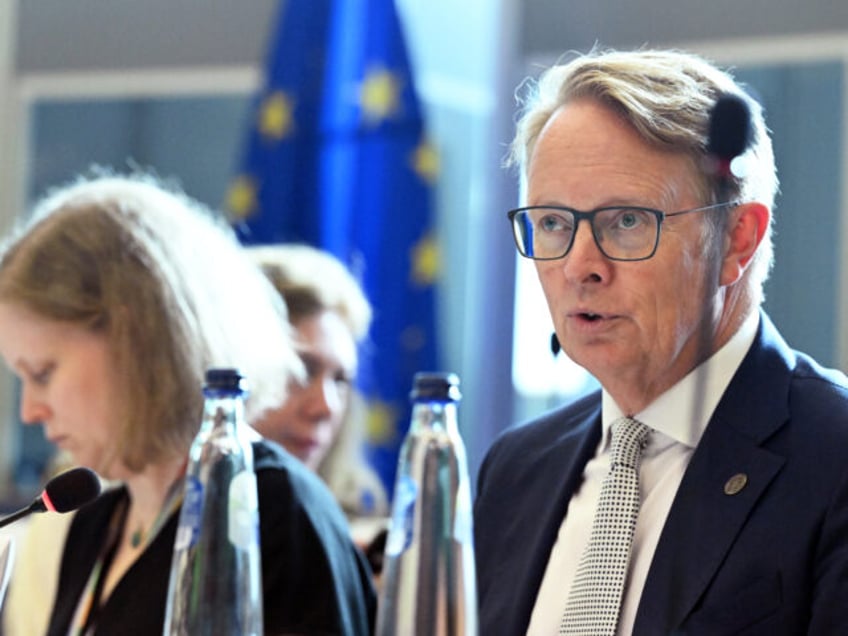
(312, 281)
(667, 97)
(168, 285)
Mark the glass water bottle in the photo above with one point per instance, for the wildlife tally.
(216, 577)
(429, 585)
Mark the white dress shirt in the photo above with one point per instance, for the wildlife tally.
(677, 429)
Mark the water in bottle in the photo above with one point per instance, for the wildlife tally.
(429, 585)
(215, 585)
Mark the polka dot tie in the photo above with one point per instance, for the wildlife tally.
(595, 597)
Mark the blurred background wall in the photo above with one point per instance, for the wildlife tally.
(119, 82)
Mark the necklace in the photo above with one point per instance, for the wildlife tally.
(137, 537)
(172, 501)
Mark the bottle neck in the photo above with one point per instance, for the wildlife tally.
(434, 415)
(223, 410)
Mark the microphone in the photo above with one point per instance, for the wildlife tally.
(729, 137)
(65, 492)
(729, 133)
(555, 345)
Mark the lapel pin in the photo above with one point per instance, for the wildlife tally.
(735, 484)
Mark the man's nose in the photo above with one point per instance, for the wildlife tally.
(585, 262)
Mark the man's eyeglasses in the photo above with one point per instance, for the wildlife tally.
(622, 233)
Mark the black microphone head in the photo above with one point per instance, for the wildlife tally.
(71, 489)
(730, 127)
(555, 345)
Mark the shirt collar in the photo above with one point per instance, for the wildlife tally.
(711, 377)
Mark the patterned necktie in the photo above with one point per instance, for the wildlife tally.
(595, 596)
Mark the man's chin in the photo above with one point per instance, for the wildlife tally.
(596, 358)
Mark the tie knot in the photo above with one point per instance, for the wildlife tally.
(629, 437)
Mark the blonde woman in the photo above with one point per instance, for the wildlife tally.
(321, 421)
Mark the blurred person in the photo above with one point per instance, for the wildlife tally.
(115, 297)
(322, 420)
(704, 488)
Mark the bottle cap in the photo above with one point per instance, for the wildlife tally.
(434, 386)
(225, 380)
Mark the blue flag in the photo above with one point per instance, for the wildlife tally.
(337, 158)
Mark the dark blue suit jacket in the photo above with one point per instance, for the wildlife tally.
(771, 559)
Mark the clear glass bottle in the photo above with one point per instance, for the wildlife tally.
(429, 586)
(216, 573)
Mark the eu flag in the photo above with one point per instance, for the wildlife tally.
(337, 158)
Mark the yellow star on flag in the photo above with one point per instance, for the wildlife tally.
(276, 118)
(425, 162)
(241, 198)
(426, 261)
(379, 95)
(380, 423)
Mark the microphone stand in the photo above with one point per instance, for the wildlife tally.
(35, 506)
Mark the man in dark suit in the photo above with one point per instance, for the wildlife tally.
(652, 256)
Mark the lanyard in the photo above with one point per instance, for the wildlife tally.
(88, 608)
(90, 605)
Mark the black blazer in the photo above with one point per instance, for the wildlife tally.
(771, 559)
(314, 579)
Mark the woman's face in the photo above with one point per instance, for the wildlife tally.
(308, 422)
(68, 384)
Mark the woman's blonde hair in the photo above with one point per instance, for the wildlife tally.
(166, 282)
(311, 281)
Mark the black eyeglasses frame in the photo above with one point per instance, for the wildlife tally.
(590, 217)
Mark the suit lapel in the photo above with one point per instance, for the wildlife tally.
(560, 466)
(704, 519)
(701, 527)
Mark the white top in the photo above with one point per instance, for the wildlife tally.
(670, 447)
(35, 574)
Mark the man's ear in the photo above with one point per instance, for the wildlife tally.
(747, 226)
